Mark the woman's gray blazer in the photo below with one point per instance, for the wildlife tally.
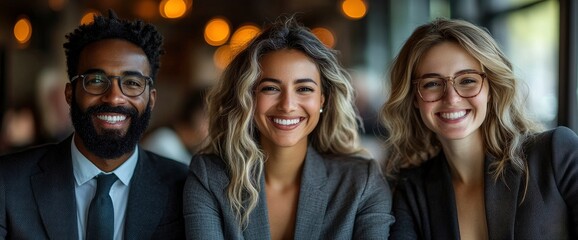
(340, 198)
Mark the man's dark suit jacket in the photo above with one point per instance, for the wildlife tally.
(424, 204)
(37, 199)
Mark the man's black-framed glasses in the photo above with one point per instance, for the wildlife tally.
(98, 83)
(432, 88)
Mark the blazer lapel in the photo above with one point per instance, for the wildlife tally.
(146, 197)
(53, 190)
(312, 199)
(501, 202)
(258, 227)
(311, 207)
(442, 203)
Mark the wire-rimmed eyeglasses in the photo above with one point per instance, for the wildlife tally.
(98, 83)
(432, 88)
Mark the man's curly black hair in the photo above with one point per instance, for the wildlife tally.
(138, 32)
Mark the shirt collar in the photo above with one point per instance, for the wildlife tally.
(84, 170)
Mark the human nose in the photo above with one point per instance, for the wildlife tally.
(287, 102)
(114, 94)
(451, 93)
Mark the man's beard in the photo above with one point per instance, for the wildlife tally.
(109, 144)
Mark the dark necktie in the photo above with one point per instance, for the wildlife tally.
(100, 224)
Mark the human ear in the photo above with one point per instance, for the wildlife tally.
(68, 93)
(152, 97)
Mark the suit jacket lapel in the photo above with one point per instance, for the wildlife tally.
(312, 199)
(258, 227)
(501, 202)
(442, 203)
(53, 189)
(311, 207)
(146, 199)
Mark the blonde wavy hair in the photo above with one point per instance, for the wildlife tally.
(232, 132)
(506, 126)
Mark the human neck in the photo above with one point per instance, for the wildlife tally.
(466, 159)
(284, 164)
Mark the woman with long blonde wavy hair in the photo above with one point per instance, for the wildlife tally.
(465, 158)
(283, 158)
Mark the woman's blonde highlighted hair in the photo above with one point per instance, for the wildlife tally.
(232, 132)
(506, 126)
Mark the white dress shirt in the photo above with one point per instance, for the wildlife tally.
(85, 188)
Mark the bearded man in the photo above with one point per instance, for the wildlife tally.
(98, 183)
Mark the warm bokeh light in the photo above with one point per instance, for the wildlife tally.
(217, 31)
(242, 36)
(354, 9)
(57, 5)
(88, 17)
(23, 30)
(173, 8)
(222, 56)
(146, 9)
(325, 36)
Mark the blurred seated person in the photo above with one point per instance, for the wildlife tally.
(18, 129)
(180, 139)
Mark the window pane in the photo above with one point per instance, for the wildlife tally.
(500, 5)
(530, 39)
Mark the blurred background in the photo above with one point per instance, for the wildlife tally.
(539, 37)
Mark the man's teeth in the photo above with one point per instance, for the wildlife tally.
(286, 121)
(111, 119)
(453, 115)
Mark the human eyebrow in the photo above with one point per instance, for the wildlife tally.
(100, 71)
(297, 81)
(430, 75)
(435, 75)
(306, 80)
(132, 73)
(466, 71)
(270, 80)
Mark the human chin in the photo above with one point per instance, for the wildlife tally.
(109, 143)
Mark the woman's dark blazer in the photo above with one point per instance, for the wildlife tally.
(340, 198)
(425, 208)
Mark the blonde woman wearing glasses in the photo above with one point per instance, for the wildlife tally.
(466, 160)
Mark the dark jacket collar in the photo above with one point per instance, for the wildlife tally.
(54, 186)
(501, 200)
(53, 189)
